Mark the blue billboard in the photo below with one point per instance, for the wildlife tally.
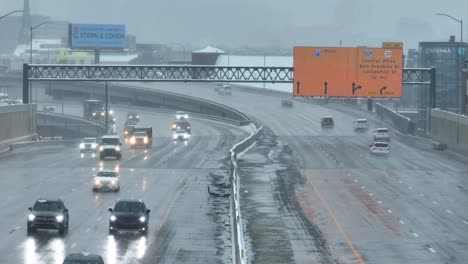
(97, 36)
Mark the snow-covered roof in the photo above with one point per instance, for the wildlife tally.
(209, 49)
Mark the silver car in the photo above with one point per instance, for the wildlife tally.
(379, 148)
(382, 134)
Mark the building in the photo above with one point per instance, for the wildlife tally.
(465, 88)
(447, 58)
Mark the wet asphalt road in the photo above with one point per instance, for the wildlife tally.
(186, 224)
(313, 195)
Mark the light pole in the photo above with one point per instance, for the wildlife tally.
(458, 20)
(12, 12)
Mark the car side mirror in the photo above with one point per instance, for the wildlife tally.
(65, 210)
(30, 208)
(111, 210)
(148, 211)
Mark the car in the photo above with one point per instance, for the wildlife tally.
(83, 258)
(181, 135)
(48, 214)
(88, 145)
(181, 114)
(182, 124)
(379, 148)
(110, 146)
(48, 108)
(225, 89)
(129, 128)
(287, 102)
(129, 215)
(381, 134)
(133, 116)
(142, 137)
(106, 180)
(327, 121)
(361, 124)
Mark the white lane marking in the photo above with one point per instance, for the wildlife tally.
(355, 180)
(466, 222)
(401, 221)
(434, 202)
(414, 234)
(431, 250)
(94, 169)
(448, 211)
(389, 211)
(421, 194)
(73, 245)
(371, 194)
(380, 202)
(362, 187)
(87, 230)
(99, 218)
(131, 169)
(409, 187)
(400, 181)
(146, 158)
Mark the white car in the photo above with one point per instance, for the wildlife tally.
(106, 180)
(379, 148)
(181, 135)
(381, 134)
(181, 114)
(361, 124)
(88, 145)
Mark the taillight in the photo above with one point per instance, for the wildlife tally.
(373, 148)
(388, 148)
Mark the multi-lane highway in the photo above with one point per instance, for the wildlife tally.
(313, 194)
(187, 225)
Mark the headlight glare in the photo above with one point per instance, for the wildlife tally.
(142, 219)
(113, 218)
(101, 148)
(59, 218)
(82, 145)
(117, 148)
(174, 136)
(31, 217)
(93, 145)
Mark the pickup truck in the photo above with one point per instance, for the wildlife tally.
(141, 137)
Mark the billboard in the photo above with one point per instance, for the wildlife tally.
(348, 72)
(97, 36)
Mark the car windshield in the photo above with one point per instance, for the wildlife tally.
(47, 206)
(129, 207)
(81, 261)
(106, 174)
(140, 134)
(181, 132)
(362, 121)
(382, 130)
(110, 141)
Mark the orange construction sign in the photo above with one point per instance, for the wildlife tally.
(348, 72)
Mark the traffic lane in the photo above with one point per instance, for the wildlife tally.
(72, 188)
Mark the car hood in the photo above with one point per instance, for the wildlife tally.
(128, 215)
(106, 179)
(109, 146)
(46, 213)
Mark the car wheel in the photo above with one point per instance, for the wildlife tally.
(31, 230)
(62, 230)
(144, 232)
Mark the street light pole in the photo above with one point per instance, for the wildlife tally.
(458, 20)
(12, 12)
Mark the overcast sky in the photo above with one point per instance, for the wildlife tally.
(269, 23)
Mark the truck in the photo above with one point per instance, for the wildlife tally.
(110, 146)
(96, 110)
(141, 137)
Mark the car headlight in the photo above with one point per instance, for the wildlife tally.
(113, 218)
(101, 148)
(145, 140)
(81, 146)
(188, 127)
(137, 116)
(173, 126)
(102, 114)
(142, 219)
(93, 146)
(185, 136)
(117, 148)
(113, 182)
(174, 136)
(132, 140)
(59, 218)
(94, 114)
(31, 217)
(97, 182)
(125, 132)
(111, 112)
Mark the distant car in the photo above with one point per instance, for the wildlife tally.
(129, 128)
(361, 124)
(48, 214)
(181, 135)
(83, 258)
(182, 124)
(48, 108)
(225, 89)
(327, 121)
(142, 137)
(379, 148)
(287, 102)
(133, 116)
(129, 215)
(381, 134)
(88, 145)
(106, 180)
(181, 114)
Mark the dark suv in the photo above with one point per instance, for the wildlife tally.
(129, 215)
(83, 258)
(48, 214)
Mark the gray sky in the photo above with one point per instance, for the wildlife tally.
(269, 23)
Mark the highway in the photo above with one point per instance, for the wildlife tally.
(316, 195)
(186, 223)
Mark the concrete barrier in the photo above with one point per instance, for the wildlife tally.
(17, 121)
(67, 126)
(449, 129)
(399, 122)
(239, 252)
